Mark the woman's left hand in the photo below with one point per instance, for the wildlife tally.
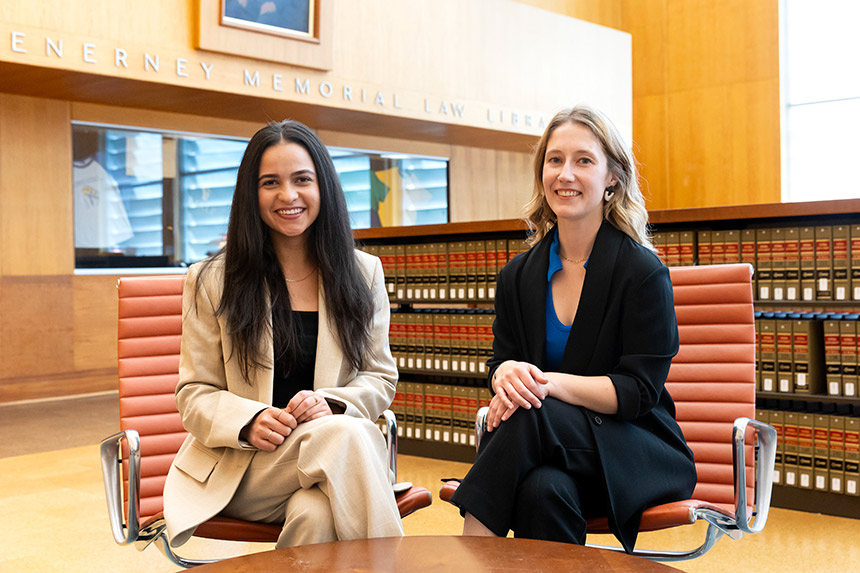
(308, 405)
(499, 411)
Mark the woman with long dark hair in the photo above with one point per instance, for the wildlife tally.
(285, 361)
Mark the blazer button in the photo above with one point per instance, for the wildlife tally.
(598, 420)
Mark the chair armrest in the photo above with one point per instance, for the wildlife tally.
(391, 442)
(412, 499)
(447, 490)
(673, 514)
(111, 456)
(480, 425)
(766, 435)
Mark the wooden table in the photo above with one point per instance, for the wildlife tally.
(469, 554)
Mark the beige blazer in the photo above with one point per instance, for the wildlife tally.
(216, 403)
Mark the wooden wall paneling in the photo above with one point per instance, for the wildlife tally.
(58, 336)
(757, 140)
(645, 20)
(557, 6)
(57, 385)
(514, 172)
(36, 220)
(315, 51)
(650, 145)
(732, 161)
(472, 184)
(722, 103)
(136, 117)
(434, 54)
(95, 323)
(609, 13)
(487, 184)
(378, 143)
(134, 22)
(36, 331)
(722, 42)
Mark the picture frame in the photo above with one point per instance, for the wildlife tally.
(293, 32)
(290, 18)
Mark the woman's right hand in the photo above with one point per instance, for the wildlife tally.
(517, 385)
(269, 429)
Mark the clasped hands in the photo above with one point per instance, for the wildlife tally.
(516, 385)
(271, 427)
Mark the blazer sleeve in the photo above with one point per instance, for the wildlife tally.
(649, 341)
(209, 410)
(505, 328)
(370, 390)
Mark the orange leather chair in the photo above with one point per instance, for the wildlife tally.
(135, 461)
(712, 381)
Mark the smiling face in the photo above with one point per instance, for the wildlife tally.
(288, 191)
(575, 174)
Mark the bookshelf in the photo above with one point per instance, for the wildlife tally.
(733, 221)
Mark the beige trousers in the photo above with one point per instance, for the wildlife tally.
(328, 481)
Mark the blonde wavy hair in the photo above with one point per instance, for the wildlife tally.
(626, 206)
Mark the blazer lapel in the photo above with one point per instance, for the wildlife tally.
(329, 359)
(592, 301)
(531, 294)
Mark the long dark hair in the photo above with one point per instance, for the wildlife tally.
(253, 280)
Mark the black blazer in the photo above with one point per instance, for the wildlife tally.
(625, 328)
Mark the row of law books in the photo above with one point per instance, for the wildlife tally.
(791, 263)
(815, 450)
(438, 412)
(445, 271)
(442, 340)
(807, 353)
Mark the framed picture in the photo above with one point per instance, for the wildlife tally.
(294, 32)
(278, 17)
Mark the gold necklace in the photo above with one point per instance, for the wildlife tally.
(571, 260)
(307, 276)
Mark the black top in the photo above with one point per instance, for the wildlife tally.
(288, 381)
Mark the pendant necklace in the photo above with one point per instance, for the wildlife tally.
(307, 276)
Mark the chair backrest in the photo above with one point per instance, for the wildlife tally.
(712, 379)
(150, 329)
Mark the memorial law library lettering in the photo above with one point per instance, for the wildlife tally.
(441, 282)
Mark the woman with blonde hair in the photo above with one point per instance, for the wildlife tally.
(580, 424)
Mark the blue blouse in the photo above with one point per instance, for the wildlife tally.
(556, 332)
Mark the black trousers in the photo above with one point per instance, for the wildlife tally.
(538, 474)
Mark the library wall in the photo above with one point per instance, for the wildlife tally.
(57, 333)
(58, 330)
(434, 66)
(705, 96)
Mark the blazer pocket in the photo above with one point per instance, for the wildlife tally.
(197, 462)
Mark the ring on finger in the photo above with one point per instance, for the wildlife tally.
(269, 435)
(316, 400)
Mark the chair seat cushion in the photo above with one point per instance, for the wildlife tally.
(239, 530)
(654, 518)
(408, 501)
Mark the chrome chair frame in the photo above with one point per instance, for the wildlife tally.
(719, 524)
(130, 531)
